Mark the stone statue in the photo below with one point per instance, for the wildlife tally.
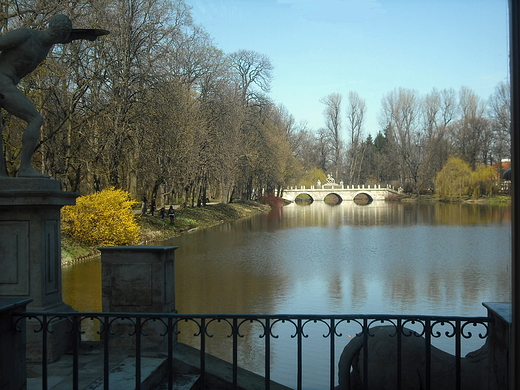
(22, 50)
(382, 364)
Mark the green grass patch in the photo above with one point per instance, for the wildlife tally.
(500, 200)
(72, 251)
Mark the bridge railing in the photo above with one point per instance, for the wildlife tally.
(259, 333)
(342, 186)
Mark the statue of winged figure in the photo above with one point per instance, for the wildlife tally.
(21, 51)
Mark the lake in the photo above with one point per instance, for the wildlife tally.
(381, 258)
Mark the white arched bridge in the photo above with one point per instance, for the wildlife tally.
(345, 193)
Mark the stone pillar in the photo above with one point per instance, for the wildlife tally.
(498, 341)
(139, 279)
(30, 253)
(13, 374)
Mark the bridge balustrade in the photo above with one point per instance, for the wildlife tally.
(344, 192)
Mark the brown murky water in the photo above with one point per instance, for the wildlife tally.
(439, 259)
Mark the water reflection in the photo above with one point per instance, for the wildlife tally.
(391, 258)
(81, 286)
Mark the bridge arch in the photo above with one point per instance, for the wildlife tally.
(363, 197)
(304, 196)
(333, 194)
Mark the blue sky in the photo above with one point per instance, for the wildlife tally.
(318, 47)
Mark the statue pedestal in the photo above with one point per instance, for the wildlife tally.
(30, 253)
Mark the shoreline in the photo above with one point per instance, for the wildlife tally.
(194, 218)
(154, 228)
(502, 199)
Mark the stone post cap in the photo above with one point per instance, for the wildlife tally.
(34, 191)
(12, 303)
(137, 248)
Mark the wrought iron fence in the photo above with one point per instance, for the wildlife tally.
(161, 331)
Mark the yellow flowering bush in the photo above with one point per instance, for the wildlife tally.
(104, 218)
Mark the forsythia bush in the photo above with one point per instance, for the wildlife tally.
(104, 218)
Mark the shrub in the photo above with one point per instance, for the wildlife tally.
(457, 179)
(272, 200)
(483, 181)
(104, 218)
(454, 179)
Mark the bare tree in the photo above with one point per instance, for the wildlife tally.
(304, 145)
(324, 151)
(332, 114)
(355, 118)
(500, 114)
(439, 111)
(400, 115)
(255, 72)
(471, 133)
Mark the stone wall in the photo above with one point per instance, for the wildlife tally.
(499, 340)
(13, 345)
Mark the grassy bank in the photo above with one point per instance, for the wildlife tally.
(498, 199)
(156, 229)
